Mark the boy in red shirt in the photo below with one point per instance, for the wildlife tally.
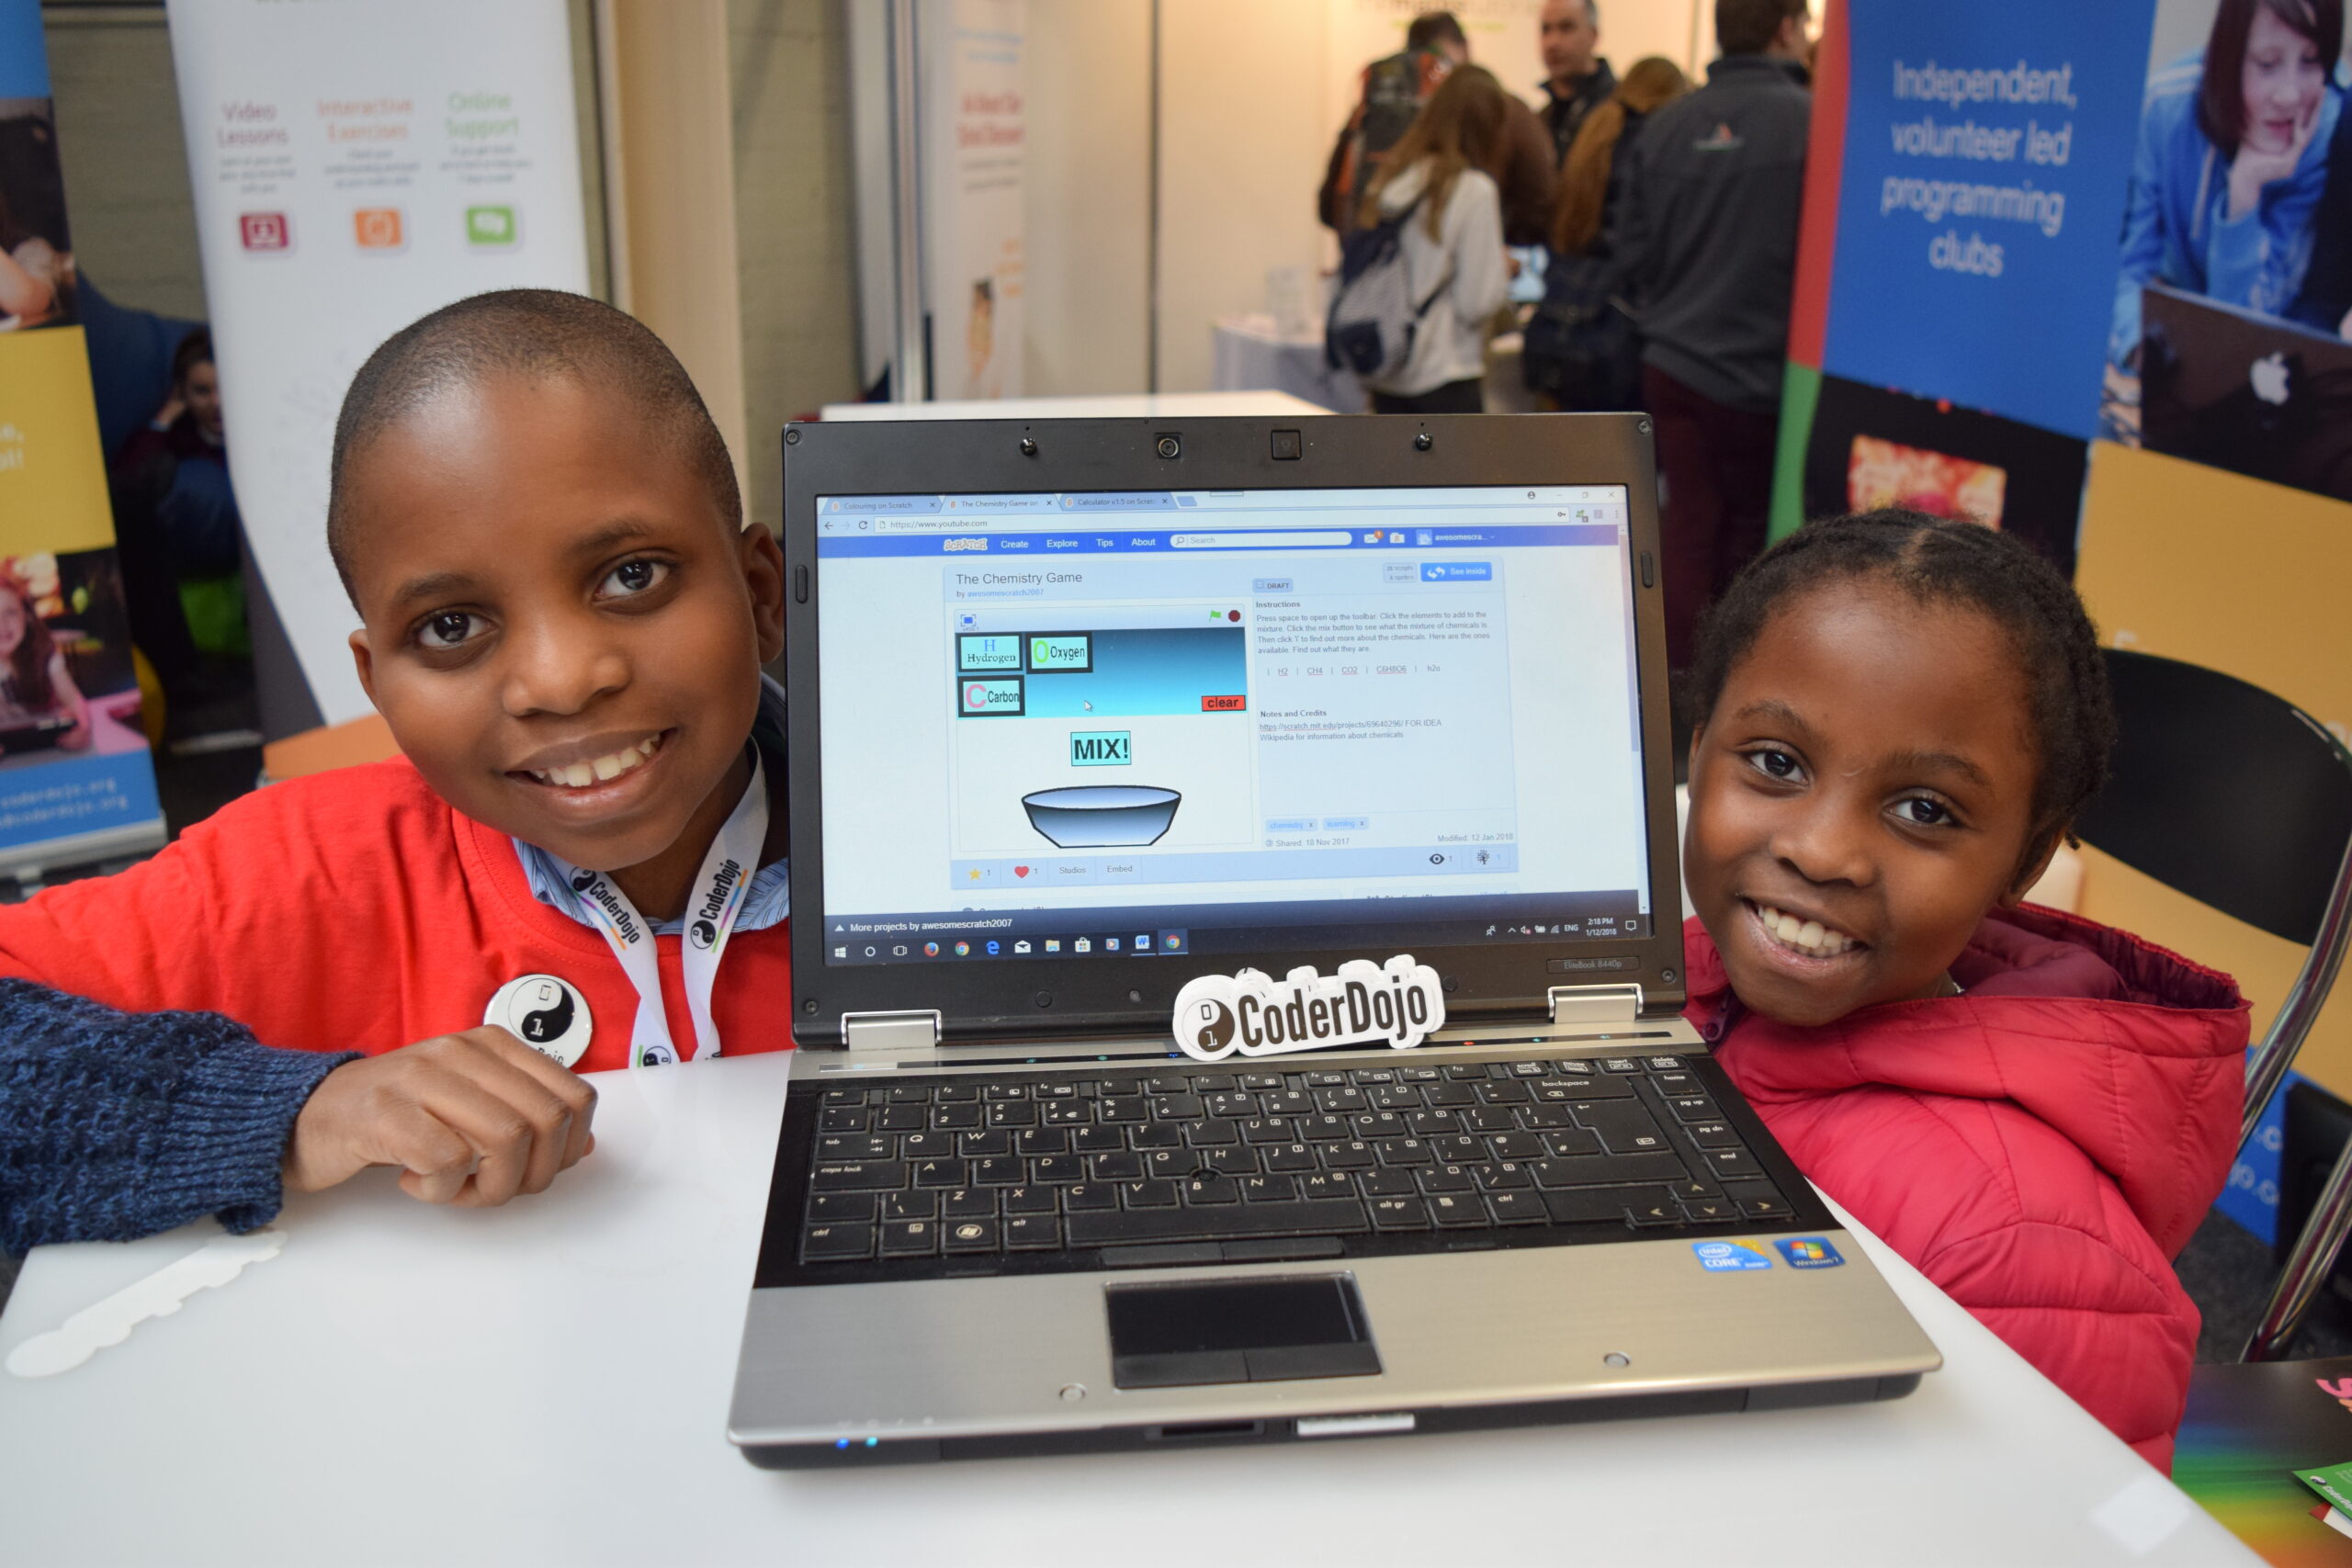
(563, 623)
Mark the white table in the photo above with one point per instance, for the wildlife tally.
(1251, 352)
(548, 1382)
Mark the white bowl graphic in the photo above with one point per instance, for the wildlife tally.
(1087, 817)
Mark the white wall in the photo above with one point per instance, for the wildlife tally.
(1252, 93)
(1089, 99)
(1244, 134)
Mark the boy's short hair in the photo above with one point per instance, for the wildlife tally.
(530, 332)
(1940, 560)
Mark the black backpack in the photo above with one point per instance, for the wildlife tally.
(1374, 314)
(1582, 347)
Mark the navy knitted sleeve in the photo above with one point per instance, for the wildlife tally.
(117, 1124)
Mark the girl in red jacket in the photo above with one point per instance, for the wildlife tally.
(1897, 718)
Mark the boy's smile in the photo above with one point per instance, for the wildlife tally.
(1859, 798)
(562, 630)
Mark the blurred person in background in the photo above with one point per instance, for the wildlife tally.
(1394, 89)
(176, 516)
(1576, 79)
(1707, 235)
(1438, 174)
(1583, 350)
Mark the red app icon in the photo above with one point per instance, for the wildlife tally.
(264, 231)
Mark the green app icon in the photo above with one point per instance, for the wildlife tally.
(490, 225)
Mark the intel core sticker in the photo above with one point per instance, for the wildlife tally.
(1809, 1252)
(1728, 1257)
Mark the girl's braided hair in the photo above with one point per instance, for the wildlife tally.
(1937, 561)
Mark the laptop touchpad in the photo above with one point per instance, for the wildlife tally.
(1239, 1331)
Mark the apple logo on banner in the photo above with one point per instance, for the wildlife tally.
(2270, 378)
(1400, 1004)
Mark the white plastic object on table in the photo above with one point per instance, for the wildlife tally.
(160, 1294)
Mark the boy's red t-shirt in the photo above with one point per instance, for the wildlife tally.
(355, 910)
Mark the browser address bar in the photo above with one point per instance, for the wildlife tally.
(918, 525)
(1320, 539)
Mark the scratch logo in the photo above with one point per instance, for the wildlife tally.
(1400, 1004)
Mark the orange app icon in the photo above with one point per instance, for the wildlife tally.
(378, 228)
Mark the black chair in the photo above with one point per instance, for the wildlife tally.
(2243, 802)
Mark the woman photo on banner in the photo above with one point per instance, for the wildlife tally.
(2232, 166)
(40, 705)
(36, 256)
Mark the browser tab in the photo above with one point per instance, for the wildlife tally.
(873, 505)
(1120, 501)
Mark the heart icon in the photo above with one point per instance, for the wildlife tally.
(1020, 871)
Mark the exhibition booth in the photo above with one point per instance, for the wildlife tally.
(2025, 294)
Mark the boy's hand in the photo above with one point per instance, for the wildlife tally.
(472, 1119)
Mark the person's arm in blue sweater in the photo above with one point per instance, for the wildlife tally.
(119, 1124)
(115, 1125)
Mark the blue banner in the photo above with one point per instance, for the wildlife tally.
(70, 796)
(24, 58)
(1987, 154)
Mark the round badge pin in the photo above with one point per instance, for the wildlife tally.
(545, 1012)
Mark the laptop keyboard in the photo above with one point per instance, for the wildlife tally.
(1187, 1165)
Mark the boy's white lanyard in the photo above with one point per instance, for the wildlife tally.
(717, 900)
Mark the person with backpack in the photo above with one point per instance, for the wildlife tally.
(1583, 352)
(1426, 271)
(1395, 88)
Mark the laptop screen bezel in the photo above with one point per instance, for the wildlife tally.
(1054, 999)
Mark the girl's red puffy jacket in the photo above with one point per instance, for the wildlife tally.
(2040, 1146)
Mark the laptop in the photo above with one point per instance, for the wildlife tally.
(1083, 711)
(2233, 388)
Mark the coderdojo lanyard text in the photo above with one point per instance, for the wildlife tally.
(717, 900)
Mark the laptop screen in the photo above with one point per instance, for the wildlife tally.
(1125, 725)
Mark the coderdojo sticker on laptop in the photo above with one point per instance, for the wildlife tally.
(1399, 1003)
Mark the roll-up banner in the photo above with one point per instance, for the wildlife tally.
(358, 164)
(76, 782)
(2084, 272)
(1968, 176)
(975, 129)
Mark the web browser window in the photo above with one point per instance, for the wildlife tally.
(1137, 723)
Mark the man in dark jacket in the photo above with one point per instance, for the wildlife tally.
(1577, 80)
(1709, 234)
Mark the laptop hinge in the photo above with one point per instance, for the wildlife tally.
(914, 1031)
(1596, 1004)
